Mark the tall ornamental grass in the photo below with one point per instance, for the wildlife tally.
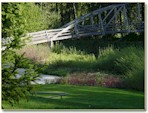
(127, 62)
(131, 64)
(36, 53)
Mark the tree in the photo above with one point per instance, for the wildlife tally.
(14, 26)
(50, 16)
(35, 17)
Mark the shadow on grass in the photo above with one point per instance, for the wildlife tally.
(81, 97)
(62, 68)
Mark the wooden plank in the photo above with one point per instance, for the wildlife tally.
(51, 34)
(90, 34)
(40, 38)
(65, 34)
(38, 42)
(64, 30)
(54, 30)
(31, 34)
(36, 36)
(64, 37)
(39, 32)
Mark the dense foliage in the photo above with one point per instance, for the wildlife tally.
(39, 18)
(14, 26)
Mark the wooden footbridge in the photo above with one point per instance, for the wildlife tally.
(106, 20)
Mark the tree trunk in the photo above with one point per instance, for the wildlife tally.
(56, 7)
(142, 11)
(74, 10)
(61, 14)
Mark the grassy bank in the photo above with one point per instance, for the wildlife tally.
(82, 97)
(125, 63)
(89, 79)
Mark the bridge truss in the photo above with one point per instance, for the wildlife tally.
(106, 20)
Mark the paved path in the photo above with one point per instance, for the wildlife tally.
(43, 79)
(47, 79)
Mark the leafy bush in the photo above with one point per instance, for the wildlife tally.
(38, 19)
(34, 17)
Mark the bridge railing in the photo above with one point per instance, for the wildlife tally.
(107, 24)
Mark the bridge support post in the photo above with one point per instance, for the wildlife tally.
(76, 30)
(51, 43)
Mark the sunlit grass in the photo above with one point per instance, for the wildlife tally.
(82, 97)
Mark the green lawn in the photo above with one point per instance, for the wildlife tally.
(82, 97)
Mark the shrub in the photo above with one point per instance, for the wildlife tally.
(81, 79)
(111, 81)
(93, 79)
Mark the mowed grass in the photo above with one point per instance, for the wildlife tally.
(81, 97)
